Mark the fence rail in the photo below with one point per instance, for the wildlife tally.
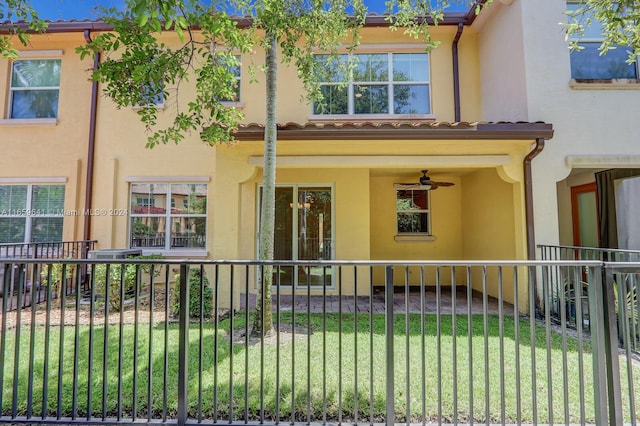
(47, 250)
(388, 342)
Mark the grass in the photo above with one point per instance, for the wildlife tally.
(313, 373)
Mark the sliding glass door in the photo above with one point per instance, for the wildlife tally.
(303, 231)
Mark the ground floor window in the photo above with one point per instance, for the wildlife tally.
(168, 215)
(303, 231)
(412, 212)
(31, 213)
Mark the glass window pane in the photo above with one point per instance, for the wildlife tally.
(149, 198)
(12, 229)
(370, 99)
(36, 73)
(330, 69)
(34, 104)
(407, 200)
(410, 67)
(190, 198)
(595, 29)
(314, 223)
(46, 229)
(335, 101)
(413, 223)
(411, 99)
(188, 232)
(589, 64)
(147, 231)
(371, 67)
(13, 199)
(48, 199)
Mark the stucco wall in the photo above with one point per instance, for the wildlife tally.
(55, 150)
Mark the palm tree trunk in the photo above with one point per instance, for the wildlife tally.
(263, 320)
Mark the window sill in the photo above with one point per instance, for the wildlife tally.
(605, 84)
(176, 253)
(29, 122)
(371, 117)
(419, 238)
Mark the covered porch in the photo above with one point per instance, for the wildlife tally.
(341, 187)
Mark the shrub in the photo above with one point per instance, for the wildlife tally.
(194, 295)
(55, 275)
(116, 277)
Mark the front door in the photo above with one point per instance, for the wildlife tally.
(584, 209)
(303, 231)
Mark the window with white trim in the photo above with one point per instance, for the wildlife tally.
(413, 212)
(35, 88)
(378, 83)
(588, 64)
(156, 222)
(31, 213)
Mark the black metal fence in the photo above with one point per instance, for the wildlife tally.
(388, 342)
(573, 287)
(47, 250)
(26, 285)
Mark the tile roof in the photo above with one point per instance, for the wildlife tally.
(398, 129)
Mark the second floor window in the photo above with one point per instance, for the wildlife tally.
(35, 87)
(379, 83)
(588, 64)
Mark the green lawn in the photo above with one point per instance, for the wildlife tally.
(332, 356)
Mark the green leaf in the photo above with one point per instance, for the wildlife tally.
(142, 21)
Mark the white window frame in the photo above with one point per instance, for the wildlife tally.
(29, 213)
(427, 211)
(168, 215)
(389, 83)
(28, 57)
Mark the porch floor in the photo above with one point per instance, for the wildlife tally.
(364, 304)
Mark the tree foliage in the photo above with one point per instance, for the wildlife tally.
(158, 45)
(619, 19)
(18, 18)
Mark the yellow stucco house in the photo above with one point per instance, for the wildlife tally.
(74, 167)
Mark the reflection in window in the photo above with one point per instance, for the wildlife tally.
(31, 213)
(381, 83)
(168, 216)
(588, 64)
(412, 211)
(35, 86)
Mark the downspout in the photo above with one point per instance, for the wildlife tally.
(88, 196)
(528, 198)
(528, 201)
(456, 73)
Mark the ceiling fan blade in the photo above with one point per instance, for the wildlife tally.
(434, 183)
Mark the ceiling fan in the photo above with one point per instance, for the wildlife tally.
(424, 182)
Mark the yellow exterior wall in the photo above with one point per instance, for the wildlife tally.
(480, 217)
(56, 150)
(493, 229)
(292, 108)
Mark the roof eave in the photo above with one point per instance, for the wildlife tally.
(481, 131)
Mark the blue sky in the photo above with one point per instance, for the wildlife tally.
(86, 9)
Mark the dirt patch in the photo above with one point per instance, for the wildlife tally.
(82, 313)
(282, 333)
